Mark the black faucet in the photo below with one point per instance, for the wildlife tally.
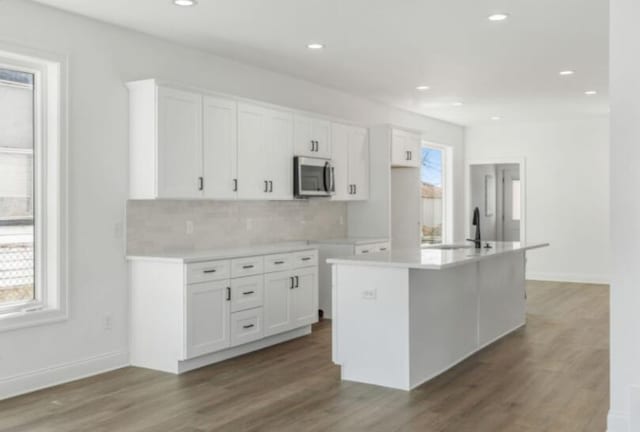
(476, 222)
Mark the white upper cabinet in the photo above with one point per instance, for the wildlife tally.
(220, 154)
(350, 157)
(179, 144)
(405, 149)
(189, 145)
(312, 137)
(340, 160)
(265, 153)
(358, 163)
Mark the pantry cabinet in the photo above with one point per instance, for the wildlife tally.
(350, 156)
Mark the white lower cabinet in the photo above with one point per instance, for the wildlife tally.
(207, 313)
(185, 316)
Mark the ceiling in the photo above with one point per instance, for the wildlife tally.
(383, 49)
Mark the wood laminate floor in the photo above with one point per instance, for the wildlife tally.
(551, 375)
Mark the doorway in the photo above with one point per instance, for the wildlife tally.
(497, 189)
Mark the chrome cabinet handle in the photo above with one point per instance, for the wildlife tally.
(365, 251)
(248, 326)
(292, 283)
(235, 185)
(297, 282)
(200, 183)
(248, 266)
(270, 186)
(306, 259)
(209, 271)
(266, 186)
(228, 293)
(278, 262)
(248, 292)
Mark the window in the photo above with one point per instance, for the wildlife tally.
(17, 266)
(432, 188)
(32, 189)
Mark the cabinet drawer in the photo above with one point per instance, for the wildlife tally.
(305, 259)
(246, 266)
(278, 262)
(246, 326)
(207, 271)
(380, 247)
(365, 249)
(247, 293)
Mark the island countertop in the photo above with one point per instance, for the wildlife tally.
(433, 258)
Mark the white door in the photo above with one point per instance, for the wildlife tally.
(179, 144)
(304, 297)
(279, 155)
(340, 160)
(359, 163)
(253, 152)
(207, 318)
(220, 148)
(277, 300)
(511, 204)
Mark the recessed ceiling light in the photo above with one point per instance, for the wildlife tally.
(498, 16)
(423, 87)
(315, 46)
(185, 2)
(457, 104)
(566, 72)
(496, 118)
(590, 92)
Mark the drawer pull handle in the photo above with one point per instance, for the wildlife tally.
(209, 271)
(250, 266)
(248, 292)
(383, 249)
(279, 262)
(306, 259)
(365, 251)
(248, 326)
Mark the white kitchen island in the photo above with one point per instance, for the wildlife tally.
(404, 316)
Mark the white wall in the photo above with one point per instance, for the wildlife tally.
(624, 414)
(101, 59)
(567, 181)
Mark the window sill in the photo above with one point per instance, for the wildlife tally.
(17, 320)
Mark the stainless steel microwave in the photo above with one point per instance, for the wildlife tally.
(313, 177)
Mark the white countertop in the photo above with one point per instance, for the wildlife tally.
(226, 253)
(430, 258)
(351, 241)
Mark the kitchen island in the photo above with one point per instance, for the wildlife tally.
(402, 317)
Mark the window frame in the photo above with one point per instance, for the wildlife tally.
(50, 301)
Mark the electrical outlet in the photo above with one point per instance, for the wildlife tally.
(369, 294)
(189, 227)
(108, 322)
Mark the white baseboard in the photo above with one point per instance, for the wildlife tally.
(570, 277)
(617, 422)
(50, 376)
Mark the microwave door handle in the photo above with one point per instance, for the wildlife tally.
(333, 180)
(326, 173)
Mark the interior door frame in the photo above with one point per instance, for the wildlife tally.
(522, 164)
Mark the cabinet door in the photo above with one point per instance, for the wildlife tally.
(405, 149)
(277, 302)
(303, 136)
(414, 150)
(179, 144)
(359, 163)
(304, 297)
(322, 137)
(279, 155)
(207, 318)
(253, 150)
(220, 148)
(340, 160)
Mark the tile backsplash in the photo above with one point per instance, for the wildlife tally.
(156, 226)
